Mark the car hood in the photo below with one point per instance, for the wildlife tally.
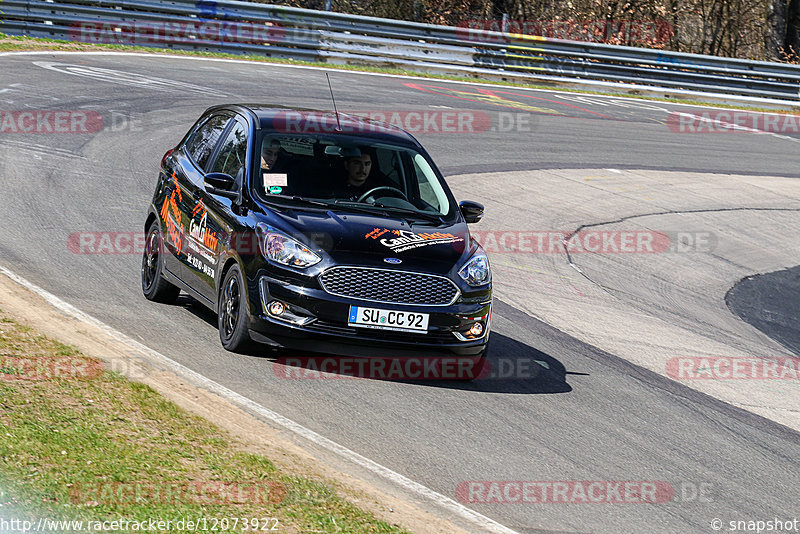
(347, 238)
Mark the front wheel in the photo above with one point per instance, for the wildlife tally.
(232, 313)
(154, 286)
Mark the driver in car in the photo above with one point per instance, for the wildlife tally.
(358, 177)
(358, 169)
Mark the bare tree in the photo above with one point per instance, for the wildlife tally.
(755, 29)
(775, 29)
(792, 41)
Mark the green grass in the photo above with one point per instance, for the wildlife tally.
(68, 447)
(21, 43)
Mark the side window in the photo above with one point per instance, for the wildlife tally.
(233, 153)
(201, 144)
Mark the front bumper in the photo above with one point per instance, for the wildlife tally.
(317, 321)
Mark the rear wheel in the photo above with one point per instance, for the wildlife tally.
(154, 286)
(232, 313)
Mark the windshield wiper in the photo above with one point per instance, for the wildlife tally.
(359, 206)
(299, 200)
(420, 214)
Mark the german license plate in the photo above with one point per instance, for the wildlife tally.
(388, 319)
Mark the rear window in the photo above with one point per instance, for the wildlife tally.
(233, 153)
(202, 142)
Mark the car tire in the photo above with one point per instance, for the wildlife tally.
(232, 311)
(154, 286)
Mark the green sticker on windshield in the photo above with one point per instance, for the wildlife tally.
(275, 189)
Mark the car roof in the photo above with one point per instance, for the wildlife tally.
(313, 121)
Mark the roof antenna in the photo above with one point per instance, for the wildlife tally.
(339, 124)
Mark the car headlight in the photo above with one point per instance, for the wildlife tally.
(282, 249)
(476, 271)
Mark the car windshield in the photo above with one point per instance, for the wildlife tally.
(349, 172)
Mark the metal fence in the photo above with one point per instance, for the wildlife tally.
(283, 32)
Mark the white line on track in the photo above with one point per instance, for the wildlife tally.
(611, 85)
(253, 407)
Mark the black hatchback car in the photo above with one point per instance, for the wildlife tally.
(317, 231)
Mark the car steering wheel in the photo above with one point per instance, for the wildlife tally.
(395, 191)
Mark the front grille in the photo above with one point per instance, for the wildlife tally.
(394, 287)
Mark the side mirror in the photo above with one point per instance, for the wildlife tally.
(222, 184)
(472, 211)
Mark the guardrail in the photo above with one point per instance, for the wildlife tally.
(284, 32)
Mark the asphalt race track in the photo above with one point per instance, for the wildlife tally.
(581, 350)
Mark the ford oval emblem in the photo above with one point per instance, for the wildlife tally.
(393, 261)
